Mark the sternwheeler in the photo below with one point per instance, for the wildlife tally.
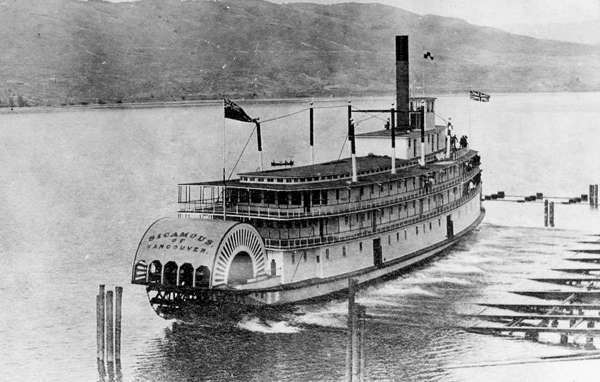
(280, 237)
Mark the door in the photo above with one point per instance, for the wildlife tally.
(377, 259)
(306, 201)
(449, 227)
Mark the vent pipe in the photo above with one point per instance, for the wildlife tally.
(312, 140)
(352, 144)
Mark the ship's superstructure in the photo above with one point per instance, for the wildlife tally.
(288, 235)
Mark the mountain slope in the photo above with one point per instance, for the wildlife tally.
(60, 51)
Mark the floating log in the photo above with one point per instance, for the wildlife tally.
(585, 271)
(594, 251)
(530, 329)
(571, 281)
(580, 296)
(541, 308)
(593, 260)
(505, 317)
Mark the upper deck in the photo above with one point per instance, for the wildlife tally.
(326, 189)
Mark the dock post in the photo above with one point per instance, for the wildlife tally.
(595, 196)
(355, 345)
(551, 212)
(546, 213)
(362, 353)
(591, 195)
(109, 327)
(101, 316)
(352, 284)
(118, 306)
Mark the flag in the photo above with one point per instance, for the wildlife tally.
(428, 55)
(479, 96)
(233, 111)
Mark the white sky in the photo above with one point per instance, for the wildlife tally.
(491, 12)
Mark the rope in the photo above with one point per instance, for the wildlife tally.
(342, 149)
(242, 153)
(283, 116)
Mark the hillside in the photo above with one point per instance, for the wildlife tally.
(69, 51)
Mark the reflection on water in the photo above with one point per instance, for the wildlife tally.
(80, 187)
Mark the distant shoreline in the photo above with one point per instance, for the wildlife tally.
(218, 101)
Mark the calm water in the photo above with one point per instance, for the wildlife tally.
(79, 187)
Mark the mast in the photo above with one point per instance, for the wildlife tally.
(393, 132)
(224, 181)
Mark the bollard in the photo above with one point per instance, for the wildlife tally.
(352, 284)
(118, 305)
(101, 314)
(551, 213)
(109, 327)
(546, 213)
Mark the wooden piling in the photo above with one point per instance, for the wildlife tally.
(546, 213)
(101, 316)
(99, 331)
(118, 306)
(362, 353)
(591, 195)
(109, 327)
(355, 346)
(551, 213)
(352, 285)
(595, 195)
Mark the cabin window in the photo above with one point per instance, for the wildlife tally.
(273, 268)
(315, 197)
(360, 246)
(324, 197)
(255, 196)
(405, 234)
(417, 230)
(170, 273)
(304, 255)
(424, 228)
(362, 192)
(430, 226)
(293, 259)
(318, 258)
(397, 236)
(202, 276)
(390, 186)
(282, 198)
(186, 275)
(389, 240)
(327, 253)
(269, 197)
(296, 198)
(372, 189)
(154, 272)
(337, 195)
(344, 251)
(243, 196)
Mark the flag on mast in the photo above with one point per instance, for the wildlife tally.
(479, 96)
(234, 111)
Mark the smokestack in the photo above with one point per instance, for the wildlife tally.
(352, 144)
(312, 140)
(422, 161)
(402, 81)
(393, 132)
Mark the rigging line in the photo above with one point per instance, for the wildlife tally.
(440, 117)
(330, 107)
(372, 116)
(284, 116)
(342, 149)
(242, 153)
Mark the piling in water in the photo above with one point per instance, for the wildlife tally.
(118, 305)
(99, 330)
(595, 195)
(551, 213)
(109, 327)
(352, 284)
(362, 354)
(101, 315)
(546, 213)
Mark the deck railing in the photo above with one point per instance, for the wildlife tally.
(323, 210)
(311, 241)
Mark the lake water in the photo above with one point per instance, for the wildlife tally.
(80, 186)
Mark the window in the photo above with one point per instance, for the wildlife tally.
(304, 255)
(346, 220)
(397, 236)
(344, 251)
(327, 253)
(430, 226)
(389, 240)
(439, 222)
(293, 259)
(360, 246)
(361, 191)
(372, 190)
(337, 194)
(318, 259)
(417, 230)
(405, 234)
